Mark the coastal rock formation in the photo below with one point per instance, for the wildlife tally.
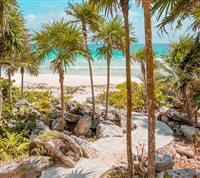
(26, 168)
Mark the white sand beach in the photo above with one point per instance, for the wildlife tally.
(70, 80)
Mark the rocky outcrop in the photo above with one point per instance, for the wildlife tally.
(72, 117)
(188, 131)
(27, 168)
(163, 162)
(108, 129)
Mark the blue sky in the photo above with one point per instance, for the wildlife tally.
(37, 12)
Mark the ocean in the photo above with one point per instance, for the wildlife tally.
(80, 66)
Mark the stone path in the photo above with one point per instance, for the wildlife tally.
(111, 151)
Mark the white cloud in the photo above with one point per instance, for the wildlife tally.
(34, 22)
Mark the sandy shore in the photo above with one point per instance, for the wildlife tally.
(70, 80)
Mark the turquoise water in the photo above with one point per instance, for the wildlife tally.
(80, 66)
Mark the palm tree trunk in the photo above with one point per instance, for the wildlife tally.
(61, 78)
(125, 6)
(84, 29)
(143, 69)
(22, 82)
(150, 90)
(10, 87)
(108, 84)
(1, 96)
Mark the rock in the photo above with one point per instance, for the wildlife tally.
(61, 147)
(182, 118)
(185, 151)
(188, 131)
(56, 124)
(163, 162)
(59, 107)
(164, 119)
(35, 113)
(54, 114)
(72, 117)
(107, 129)
(22, 103)
(27, 168)
(184, 158)
(41, 127)
(181, 173)
(83, 126)
(89, 100)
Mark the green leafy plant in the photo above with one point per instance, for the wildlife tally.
(13, 146)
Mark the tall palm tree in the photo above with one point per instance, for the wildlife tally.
(89, 18)
(65, 41)
(150, 89)
(6, 9)
(109, 7)
(109, 36)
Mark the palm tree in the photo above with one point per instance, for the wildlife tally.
(6, 9)
(109, 36)
(150, 89)
(89, 17)
(65, 41)
(168, 12)
(109, 7)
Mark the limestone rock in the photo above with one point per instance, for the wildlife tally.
(175, 173)
(163, 162)
(188, 131)
(72, 117)
(83, 126)
(62, 148)
(185, 151)
(54, 114)
(107, 129)
(27, 168)
(164, 119)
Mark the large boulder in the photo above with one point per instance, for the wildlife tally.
(83, 126)
(179, 173)
(188, 131)
(108, 129)
(163, 162)
(27, 168)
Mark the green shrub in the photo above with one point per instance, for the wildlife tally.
(13, 146)
(118, 98)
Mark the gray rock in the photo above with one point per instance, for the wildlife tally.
(72, 117)
(183, 118)
(83, 126)
(164, 119)
(22, 103)
(163, 162)
(27, 168)
(185, 151)
(54, 114)
(35, 113)
(41, 127)
(188, 131)
(180, 173)
(107, 129)
(89, 100)
(58, 106)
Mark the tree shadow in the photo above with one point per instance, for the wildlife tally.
(79, 174)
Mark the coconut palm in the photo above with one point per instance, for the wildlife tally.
(65, 41)
(150, 89)
(111, 37)
(109, 7)
(168, 12)
(89, 19)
